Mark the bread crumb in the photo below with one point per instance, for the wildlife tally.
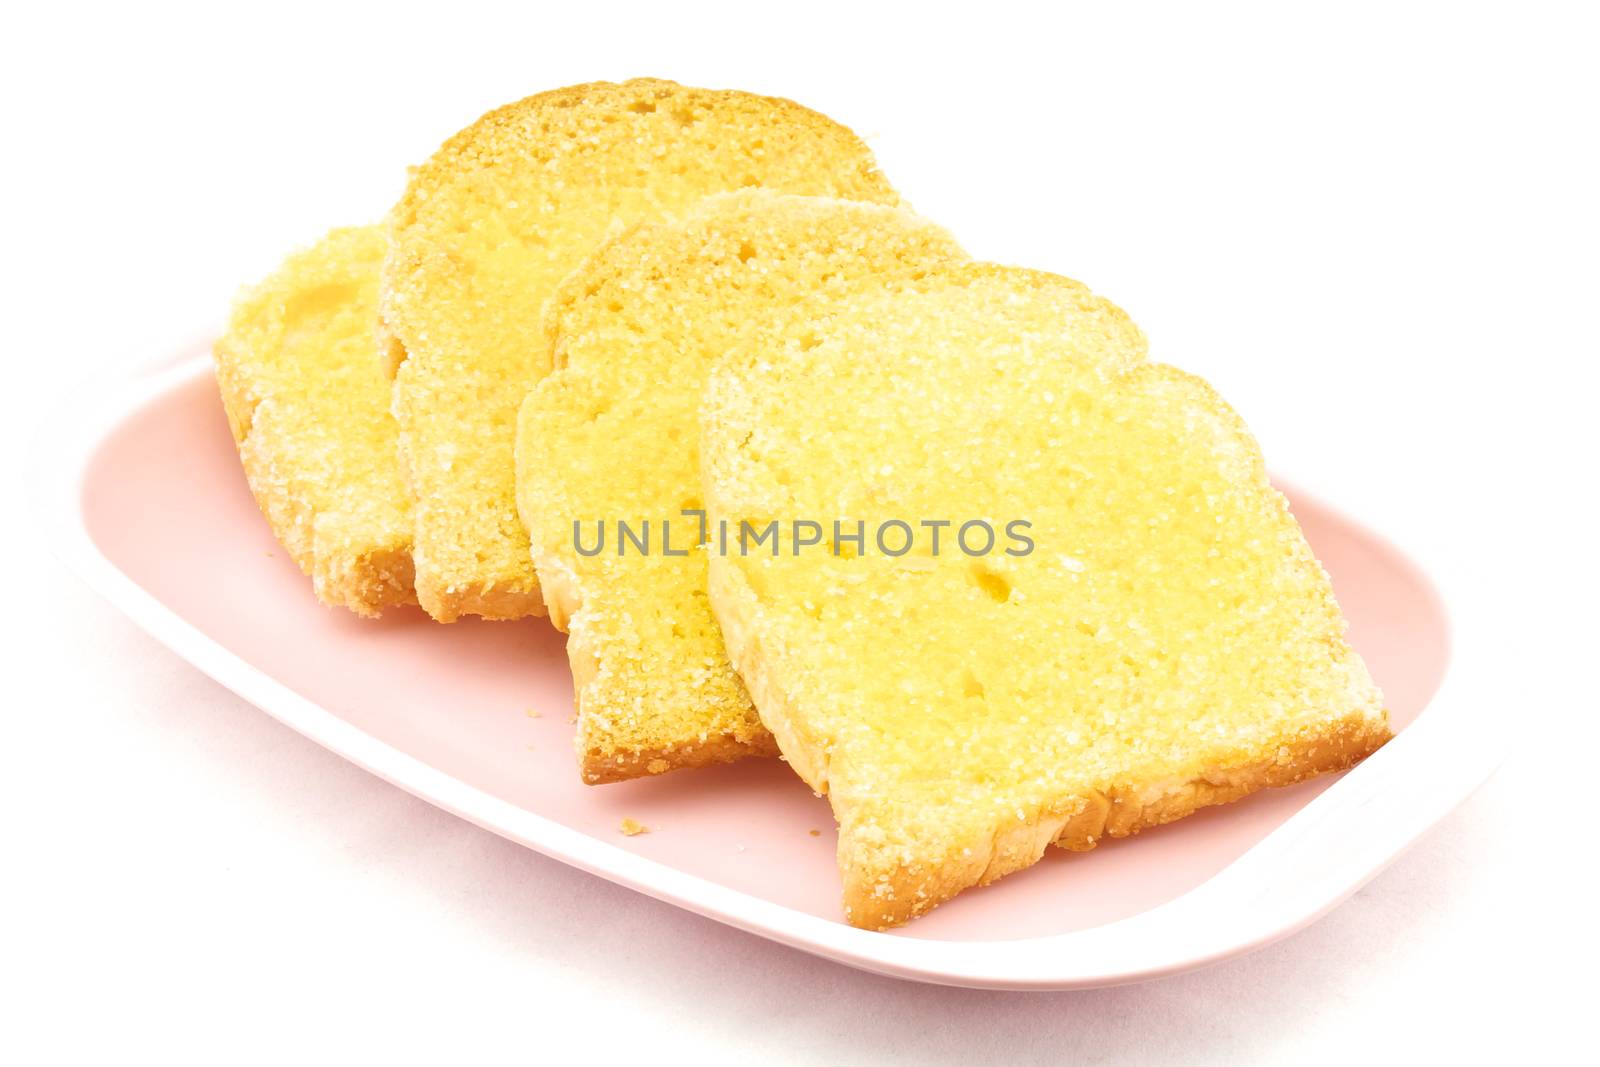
(324, 465)
(633, 828)
(532, 714)
(671, 699)
(1184, 647)
(572, 161)
(814, 833)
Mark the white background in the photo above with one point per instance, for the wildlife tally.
(1374, 230)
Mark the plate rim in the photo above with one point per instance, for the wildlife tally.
(1301, 870)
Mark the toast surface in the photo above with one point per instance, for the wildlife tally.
(485, 232)
(613, 434)
(309, 412)
(1165, 640)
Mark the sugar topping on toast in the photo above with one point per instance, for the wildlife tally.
(1165, 640)
(309, 411)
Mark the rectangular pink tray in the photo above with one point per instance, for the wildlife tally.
(150, 506)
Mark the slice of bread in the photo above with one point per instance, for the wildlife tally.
(484, 233)
(310, 413)
(1169, 641)
(613, 434)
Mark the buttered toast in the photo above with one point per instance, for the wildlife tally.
(486, 230)
(1142, 632)
(613, 434)
(309, 412)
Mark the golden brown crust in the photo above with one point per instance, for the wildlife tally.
(601, 767)
(883, 899)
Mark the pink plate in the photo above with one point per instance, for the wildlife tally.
(150, 506)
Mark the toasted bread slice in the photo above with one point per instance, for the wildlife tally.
(613, 434)
(310, 413)
(486, 230)
(1157, 639)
